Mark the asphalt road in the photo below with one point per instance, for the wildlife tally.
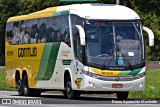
(11, 99)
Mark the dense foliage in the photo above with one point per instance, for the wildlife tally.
(149, 11)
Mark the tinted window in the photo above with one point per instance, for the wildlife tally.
(65, 35)
(9, 32)
(52, 29)
(76, 38)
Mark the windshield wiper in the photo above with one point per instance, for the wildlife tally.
(124, 57)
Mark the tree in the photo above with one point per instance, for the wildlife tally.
(8, 8)
(149, 11)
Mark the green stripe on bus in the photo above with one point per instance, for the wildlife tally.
(60, 13)
(124, 73)
(133, 72)
(48, 61)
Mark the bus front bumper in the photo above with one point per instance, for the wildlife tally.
(93, 84)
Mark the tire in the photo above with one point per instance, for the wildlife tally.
(19, 86)
(122, 95)
(26, 89)
(69, 93)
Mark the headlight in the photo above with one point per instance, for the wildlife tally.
(91, 74)
(140, 75)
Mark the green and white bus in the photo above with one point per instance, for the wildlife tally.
(80, 48)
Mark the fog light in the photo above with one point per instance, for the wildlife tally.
(91, 84)
(141, 85)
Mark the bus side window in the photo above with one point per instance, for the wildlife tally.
(9, 32)
(56, 29)
(65, 35)
(78, 47)
(16, 33)
(67, 38)
(42, 30)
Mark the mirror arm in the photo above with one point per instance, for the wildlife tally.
(150, 35)
(82, 34)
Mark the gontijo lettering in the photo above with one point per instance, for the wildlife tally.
(27, 52)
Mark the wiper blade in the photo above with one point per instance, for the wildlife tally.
(126, 60)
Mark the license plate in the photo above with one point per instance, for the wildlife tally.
(117, 85)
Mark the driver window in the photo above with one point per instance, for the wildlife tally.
(78, 47)
(76, 20)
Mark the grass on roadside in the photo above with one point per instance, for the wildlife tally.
(3, 85)
(152, 86)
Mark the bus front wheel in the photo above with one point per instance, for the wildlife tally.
(122, 95)
(69, 93)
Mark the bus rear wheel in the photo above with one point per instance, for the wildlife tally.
(28, 91)
(69, 93)
(20, 87)
(25, 86)
(122, 95)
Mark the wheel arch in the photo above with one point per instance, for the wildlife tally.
(17, 76)
(24, 73)
(68, 72)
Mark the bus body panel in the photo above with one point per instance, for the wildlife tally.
(36, 64)
(100, 85)
(23, 60)
(64, 62)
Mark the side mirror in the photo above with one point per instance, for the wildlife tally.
(82, 35)
(150, 35)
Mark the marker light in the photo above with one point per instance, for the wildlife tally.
(91, 84)
(140, 75)
(91, 74)
(141, 85)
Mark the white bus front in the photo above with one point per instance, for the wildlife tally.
(113, 56)
(109, 49)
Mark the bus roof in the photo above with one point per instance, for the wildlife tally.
(89, 11)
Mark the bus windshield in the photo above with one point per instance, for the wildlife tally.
(114, 43)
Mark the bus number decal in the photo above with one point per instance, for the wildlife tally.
(9, 53)
(107, 73)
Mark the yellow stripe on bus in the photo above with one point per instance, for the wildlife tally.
(40, 14)
(105, 72)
